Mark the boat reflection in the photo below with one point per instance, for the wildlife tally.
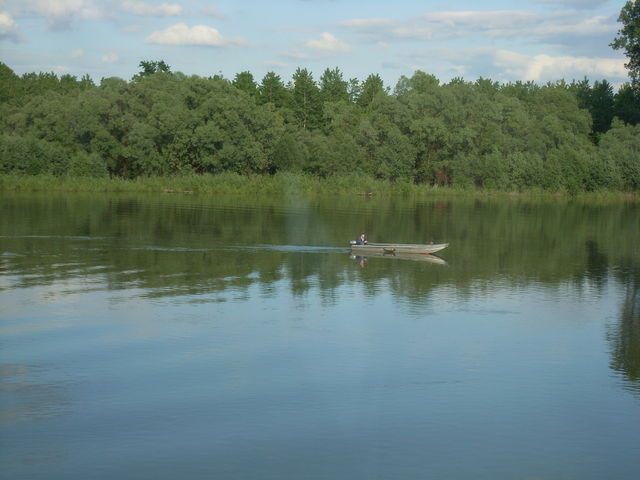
(416, 257)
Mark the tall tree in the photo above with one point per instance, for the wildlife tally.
(149, 67)
(601, 107)
(272, 90)
(582, 91)
(306, 101)
(423, 82)
(354, 89)
(627, 104)
(371, 87)
(628, 38)
(333, 88)
(9, 83)
(244, 81)
(599, 100)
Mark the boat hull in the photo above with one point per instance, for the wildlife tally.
(397, 249)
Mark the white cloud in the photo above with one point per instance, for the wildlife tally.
(203, 35)
(77, 53)
(561, 26)
(62, 13)
(368, 23)
(479, 20)
(8, 27)
(582, 4)
(59, 8)
(440, 25)
(150, 10)
(211, 11)
(297, 54)
(328, 43)
(546, 67)
(276, 64)
(466, 24)
(131, 28)
(506, 65)
(109, 58)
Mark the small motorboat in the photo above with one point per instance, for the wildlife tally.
(396, 248)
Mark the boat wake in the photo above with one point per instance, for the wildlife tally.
(294, 248)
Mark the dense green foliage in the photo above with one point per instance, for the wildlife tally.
(518, 136)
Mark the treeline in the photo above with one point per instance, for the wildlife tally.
(516, 136)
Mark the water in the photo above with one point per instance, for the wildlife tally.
(168, 337)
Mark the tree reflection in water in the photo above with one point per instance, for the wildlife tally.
(625, 337)
(209, 248)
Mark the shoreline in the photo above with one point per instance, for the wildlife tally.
(274, 185)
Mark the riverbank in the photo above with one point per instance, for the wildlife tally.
(279, 184)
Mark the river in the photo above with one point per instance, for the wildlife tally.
(184, 336)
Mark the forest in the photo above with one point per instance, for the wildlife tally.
(558, 137)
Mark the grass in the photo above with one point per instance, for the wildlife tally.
(225, 183)
(276, 185)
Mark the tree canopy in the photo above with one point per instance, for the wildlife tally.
(559, 136)
(628, 38)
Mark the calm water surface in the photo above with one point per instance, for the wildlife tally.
(163, 337)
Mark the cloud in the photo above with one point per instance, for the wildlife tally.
(296, 54)
(369, 23)
(584, 27)
(211, 11)
(487, 21)
(581, 4)
(545, 67)
(506, 65)
(276, 64)
(109, 58)
(8, 27)
(145, 9)
(77, 53)
(61, 8)
(62, 13)
(202, 35)
(467, 24)
(439, 25)
(61, 69)
(328, 43)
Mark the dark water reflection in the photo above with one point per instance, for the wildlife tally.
(169, 336)
(625, 335)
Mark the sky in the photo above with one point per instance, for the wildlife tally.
(538, 40)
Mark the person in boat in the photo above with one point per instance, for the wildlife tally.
(362, 239)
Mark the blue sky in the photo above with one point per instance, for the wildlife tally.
(539, 40)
